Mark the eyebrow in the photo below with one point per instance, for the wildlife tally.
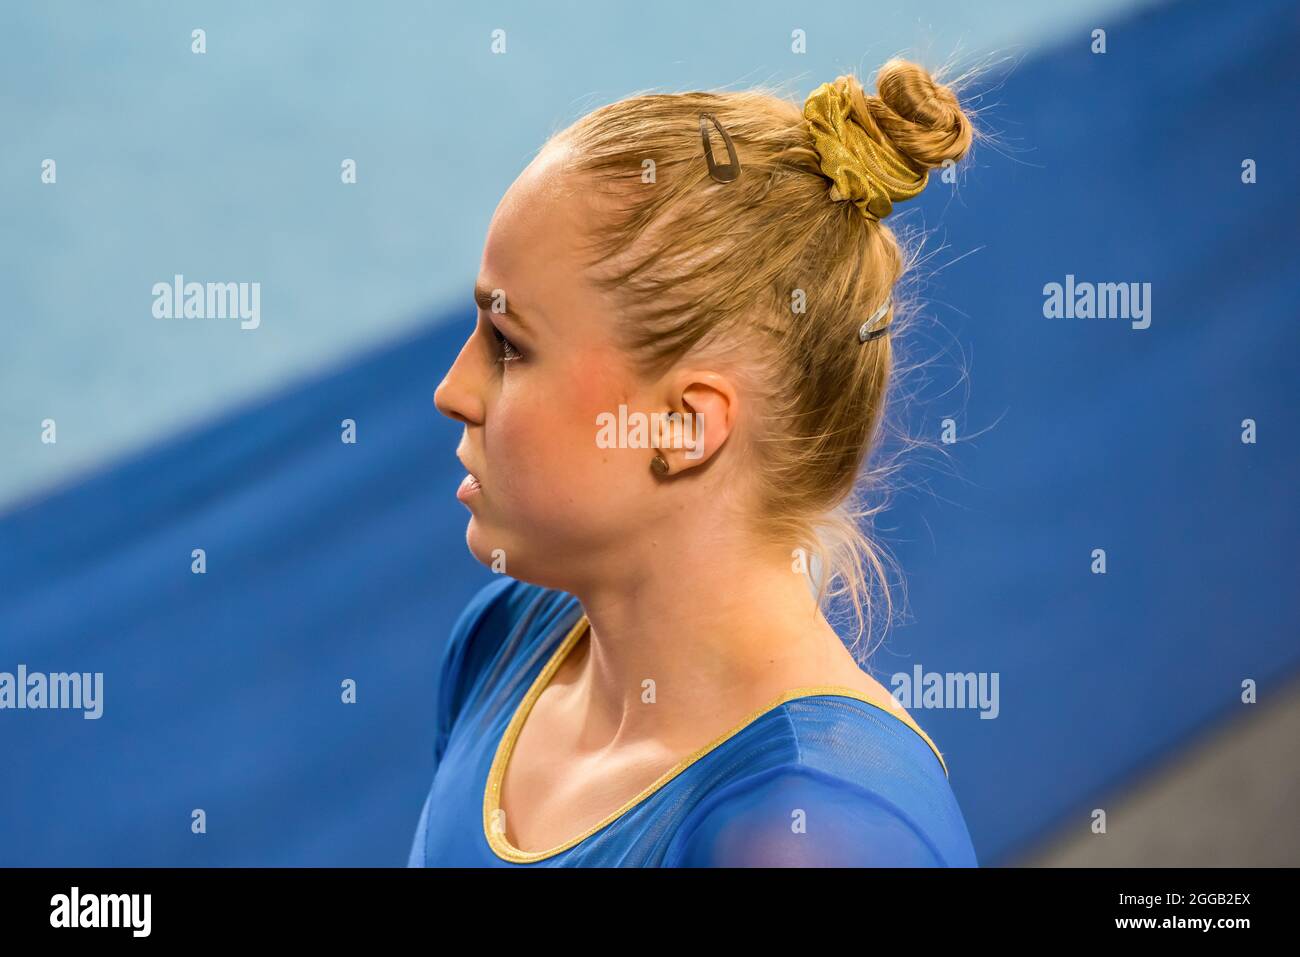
(483, 297)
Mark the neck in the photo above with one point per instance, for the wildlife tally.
(716, 637)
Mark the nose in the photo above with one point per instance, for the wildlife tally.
(457, 396)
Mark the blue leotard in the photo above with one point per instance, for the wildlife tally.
(820, 777)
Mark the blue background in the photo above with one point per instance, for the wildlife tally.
(329, 561)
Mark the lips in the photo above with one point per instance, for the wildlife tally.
(470, 484)
(469, 487)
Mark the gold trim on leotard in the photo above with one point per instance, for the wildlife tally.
(500, 761)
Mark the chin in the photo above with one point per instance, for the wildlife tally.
(479, 545)
(507, 555)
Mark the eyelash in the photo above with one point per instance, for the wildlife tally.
(507, 350)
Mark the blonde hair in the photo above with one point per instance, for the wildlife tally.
(696, 264)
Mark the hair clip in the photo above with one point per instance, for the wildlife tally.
(865, 332)
(723, 174)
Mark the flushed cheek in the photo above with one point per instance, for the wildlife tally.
(544, 455)
(536, 455)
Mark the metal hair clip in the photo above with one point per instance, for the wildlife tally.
(723, 174)
(865, 332)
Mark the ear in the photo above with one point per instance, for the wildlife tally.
(709, 404)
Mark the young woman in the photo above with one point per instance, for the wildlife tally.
(678, 370)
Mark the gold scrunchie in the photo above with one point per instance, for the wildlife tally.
(858, 158)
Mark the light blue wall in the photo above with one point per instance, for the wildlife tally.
(225, 167)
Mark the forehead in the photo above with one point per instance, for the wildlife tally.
(531, 246)
(534, 252)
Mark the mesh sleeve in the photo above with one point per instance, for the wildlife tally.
(456, 671)
(794, 816)
(450, 692)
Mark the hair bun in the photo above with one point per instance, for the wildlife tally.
(922, 117)
(876, 150)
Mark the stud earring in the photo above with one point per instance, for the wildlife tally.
(659, 464)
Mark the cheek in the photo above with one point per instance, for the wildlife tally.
(543, 438)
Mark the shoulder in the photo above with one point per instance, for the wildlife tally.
(498, 621)
(462, 645)
(854, 787)
(797, 816)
